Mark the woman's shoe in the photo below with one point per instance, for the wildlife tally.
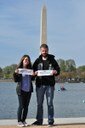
(20, 124)
(25, 124)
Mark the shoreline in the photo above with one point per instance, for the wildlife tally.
(11, 80)
(6, 80)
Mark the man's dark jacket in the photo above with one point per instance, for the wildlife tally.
(46, 80)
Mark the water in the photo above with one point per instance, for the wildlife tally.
(69, 103)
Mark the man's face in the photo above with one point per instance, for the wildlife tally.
(44, 52)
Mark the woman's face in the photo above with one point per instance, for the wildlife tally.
(25, 61)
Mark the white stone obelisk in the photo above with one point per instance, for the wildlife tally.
(43, 27)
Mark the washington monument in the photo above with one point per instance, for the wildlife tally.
(43, 27)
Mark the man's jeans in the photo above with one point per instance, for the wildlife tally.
(49, 91)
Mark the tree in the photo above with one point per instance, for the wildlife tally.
(1, 73)
(70, 65)
(62, 65)
(8, 71)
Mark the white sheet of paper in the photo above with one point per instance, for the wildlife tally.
(25, 71)
(45, 72)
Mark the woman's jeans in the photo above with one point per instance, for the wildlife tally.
(49, 91)
(24, 100)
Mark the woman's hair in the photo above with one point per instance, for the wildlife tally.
(20, 65)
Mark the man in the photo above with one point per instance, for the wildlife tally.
(45, 84)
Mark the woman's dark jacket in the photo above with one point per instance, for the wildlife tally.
(46, 80)
(18, 79)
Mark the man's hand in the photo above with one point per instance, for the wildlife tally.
(54, 72)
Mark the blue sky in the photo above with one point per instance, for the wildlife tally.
(20, 29)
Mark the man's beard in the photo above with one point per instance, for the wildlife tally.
(45, 55)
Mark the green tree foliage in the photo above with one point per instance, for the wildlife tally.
(1, 73)
(8, 71)
(81, 68)
(67, 66)
(81, 73)
(62, 64)
(70, 65)
(69, 72)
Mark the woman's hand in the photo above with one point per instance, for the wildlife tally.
(33, 74)
(17, 71)
(36, 73)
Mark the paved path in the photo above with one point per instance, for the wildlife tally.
(58, 121)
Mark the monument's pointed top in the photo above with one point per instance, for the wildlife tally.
(44, 6)
(43, 34)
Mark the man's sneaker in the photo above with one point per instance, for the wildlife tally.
(20, 124)
(37, 123)
(25, 124)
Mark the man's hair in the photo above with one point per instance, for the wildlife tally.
(44, 46)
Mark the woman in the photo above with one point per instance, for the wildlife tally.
(24, 89)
